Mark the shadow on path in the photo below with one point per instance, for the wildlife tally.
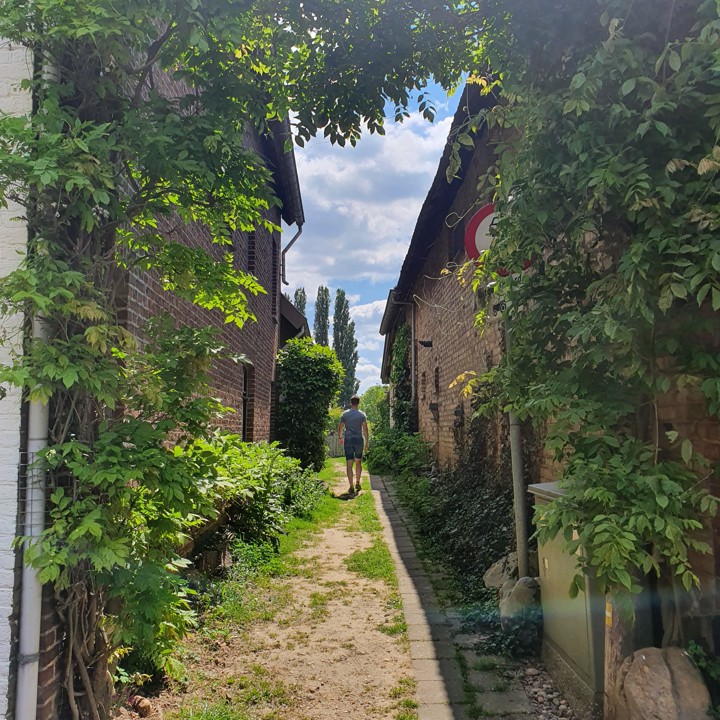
(436, 646)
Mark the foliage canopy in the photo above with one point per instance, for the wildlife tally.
(607, 182)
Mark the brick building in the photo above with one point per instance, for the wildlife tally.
(437, 306)
(586, 638)
(247, 388)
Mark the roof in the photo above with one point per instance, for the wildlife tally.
(292, 322)
(437, 204)
(282, 160)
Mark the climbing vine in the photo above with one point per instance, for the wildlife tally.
(402, 410)
(142, 133)
(607, 122)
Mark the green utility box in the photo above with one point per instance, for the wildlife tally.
(573, 628)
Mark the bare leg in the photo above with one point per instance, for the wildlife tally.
(358, 472)
(349, 464)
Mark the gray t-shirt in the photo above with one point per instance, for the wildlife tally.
(353, 420)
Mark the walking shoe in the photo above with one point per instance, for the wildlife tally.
(351, 490)
(357, 487)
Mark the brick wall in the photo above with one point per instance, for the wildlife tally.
(257, 253)
(445, 312)
(257, 340)
(15, 65)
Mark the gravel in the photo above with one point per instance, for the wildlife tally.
(546, 700)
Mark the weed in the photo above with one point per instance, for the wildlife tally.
(485, 664)
(319, 606)
(398, 626)
(374, 563)
(406, 686)
(213, 711)
(501, 686)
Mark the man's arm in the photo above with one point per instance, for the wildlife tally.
(340, 429)
(366, 434)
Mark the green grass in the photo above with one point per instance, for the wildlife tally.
(213, 711)
(363, 516)
(404, 693)
(246, 694)
(375, 563)
(485, 664)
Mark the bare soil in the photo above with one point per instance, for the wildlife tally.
(319, 654)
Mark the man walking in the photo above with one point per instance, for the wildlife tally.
(355, 438)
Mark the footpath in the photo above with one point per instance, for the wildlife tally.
(453, 682)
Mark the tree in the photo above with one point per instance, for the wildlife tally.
(300, 299)
(309, 377)
(109, 150)
(374, 403)
(322, 316)
(345, 346)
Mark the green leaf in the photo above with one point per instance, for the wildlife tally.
(628, 86)
(686, 450)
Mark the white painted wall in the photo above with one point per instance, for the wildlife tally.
(15, 66)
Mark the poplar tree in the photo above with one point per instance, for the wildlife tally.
(321, 325)
(300, 300)
(345, 346)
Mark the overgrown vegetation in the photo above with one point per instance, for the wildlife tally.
(140, 122)
(309, 378)
(402, 405)
(607, 188)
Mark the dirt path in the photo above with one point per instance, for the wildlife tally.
(328, 641)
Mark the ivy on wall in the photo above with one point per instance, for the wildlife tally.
(608, 196)
(402, 406)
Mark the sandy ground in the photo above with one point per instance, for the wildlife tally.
(321, 656)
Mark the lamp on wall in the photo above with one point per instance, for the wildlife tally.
(425, 343)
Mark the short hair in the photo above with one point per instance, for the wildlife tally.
(355, 400)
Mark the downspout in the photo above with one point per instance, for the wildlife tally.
(287, 247)
(31, 589)
(519, 489)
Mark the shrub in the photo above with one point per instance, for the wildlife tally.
(398, 454)
(259, 486)
(309, 378)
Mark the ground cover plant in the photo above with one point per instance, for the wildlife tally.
(276, 611)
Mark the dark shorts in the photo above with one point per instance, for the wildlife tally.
(354, 448)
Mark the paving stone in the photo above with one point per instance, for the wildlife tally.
(433, 692)
(434, 669)
(483, 681)
(422, 650)
(438, 712)
(504, 703)
(423, 631)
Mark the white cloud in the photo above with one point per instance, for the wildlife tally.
(361, 206)
(373, 309)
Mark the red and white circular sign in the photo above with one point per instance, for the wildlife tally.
(477, 232)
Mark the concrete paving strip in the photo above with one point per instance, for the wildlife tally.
(435, 644)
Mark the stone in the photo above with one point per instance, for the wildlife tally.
(532, 671)
(500, 572)
(506, 589)
(661, 683)
(524, 597)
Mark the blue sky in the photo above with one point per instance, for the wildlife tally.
(361, 205)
